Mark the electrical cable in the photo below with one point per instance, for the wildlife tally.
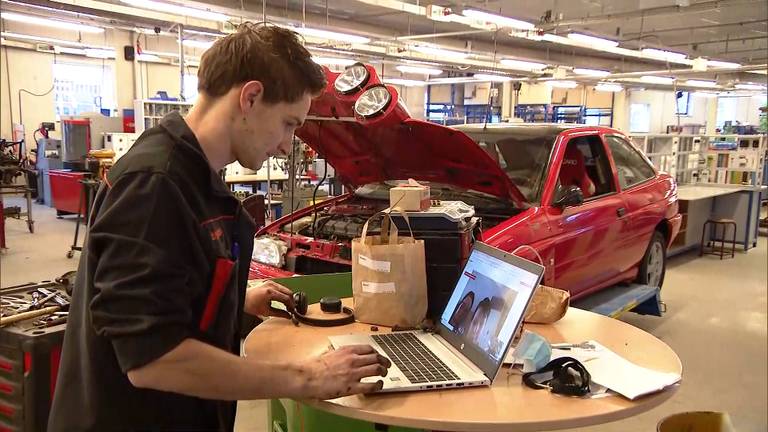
(314, 198)
(536, 252)
(8, 82)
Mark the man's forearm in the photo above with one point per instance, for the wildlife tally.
(197, 369)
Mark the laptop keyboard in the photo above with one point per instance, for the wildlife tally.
(414, 359)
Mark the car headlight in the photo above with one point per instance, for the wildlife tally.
(352, 79)
(373, 101)
(267, 250)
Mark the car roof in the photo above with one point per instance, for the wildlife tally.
(530, 129)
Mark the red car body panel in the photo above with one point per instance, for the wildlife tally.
(585, 248)
(394, 146)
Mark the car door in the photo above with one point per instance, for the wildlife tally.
(585, 236)
(643, 197)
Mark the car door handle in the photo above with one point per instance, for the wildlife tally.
(621, 211)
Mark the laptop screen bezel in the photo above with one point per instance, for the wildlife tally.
(489, 367)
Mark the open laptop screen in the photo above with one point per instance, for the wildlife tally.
(489, 301)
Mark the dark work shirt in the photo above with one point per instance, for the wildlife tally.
(160, 264)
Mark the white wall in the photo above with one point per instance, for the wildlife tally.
(663, 108)
(414, 98)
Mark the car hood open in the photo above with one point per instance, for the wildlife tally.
(394, 146)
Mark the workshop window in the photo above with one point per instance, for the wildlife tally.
(81, 88)
(631, 167)
(640, 118)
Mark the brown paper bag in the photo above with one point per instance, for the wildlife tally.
(548, 305)
(389, 276)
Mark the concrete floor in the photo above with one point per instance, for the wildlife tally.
(716, 321)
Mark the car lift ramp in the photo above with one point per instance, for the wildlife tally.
(613, 301)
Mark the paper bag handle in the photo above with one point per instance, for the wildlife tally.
(388, 231)
(404, 215)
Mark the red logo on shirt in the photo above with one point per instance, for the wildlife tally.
(217, 233)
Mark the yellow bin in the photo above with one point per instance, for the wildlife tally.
(698, 421)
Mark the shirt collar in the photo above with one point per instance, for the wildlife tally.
(175, 125)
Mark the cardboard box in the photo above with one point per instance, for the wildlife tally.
(410, 197)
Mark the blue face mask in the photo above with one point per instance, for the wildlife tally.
(533, 351)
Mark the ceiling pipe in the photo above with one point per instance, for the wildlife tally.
(437, 35)
(718, 41)
(632, 35)
(649, 12)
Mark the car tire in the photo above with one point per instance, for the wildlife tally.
(654, 263)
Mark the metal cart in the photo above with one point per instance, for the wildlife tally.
(10, 168)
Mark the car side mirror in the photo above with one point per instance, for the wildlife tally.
(570, 197)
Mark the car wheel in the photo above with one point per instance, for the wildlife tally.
(654, 263)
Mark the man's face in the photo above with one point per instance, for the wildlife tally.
(268, 129)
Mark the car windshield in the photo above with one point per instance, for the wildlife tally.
(524, 157)
(438, 191)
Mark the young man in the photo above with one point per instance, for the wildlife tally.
(152, 341)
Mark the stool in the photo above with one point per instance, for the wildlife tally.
(706, 249)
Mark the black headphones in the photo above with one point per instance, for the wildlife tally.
(331, 305)
(569, 377)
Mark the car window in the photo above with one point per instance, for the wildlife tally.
(524, 159)
(585, 164)
(631, 166)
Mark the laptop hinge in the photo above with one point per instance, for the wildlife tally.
(460, 355)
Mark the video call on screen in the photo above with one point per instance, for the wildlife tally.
(487, 303)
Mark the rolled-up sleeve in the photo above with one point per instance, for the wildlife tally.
(141, 242)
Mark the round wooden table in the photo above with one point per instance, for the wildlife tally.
(507, 405)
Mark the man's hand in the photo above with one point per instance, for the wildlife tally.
(258, 300)
(338, 373)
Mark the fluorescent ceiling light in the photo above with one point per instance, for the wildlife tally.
(704, 94)
(592, 40)
(333, 61)
(418, 70)
(331, 35)
(523, 65)
(563, 84)
(716, 63)
(439, 52)
(44, 22)
(405, 82)
(204, 33)
(197, 44)
(759, 72)
(608, 87)
(700, 83)
(67, 50)
(663, 54)
(177, 10)
(162, 54)
(99, 53)
(656, 79)
(750, 87)
(591, 72)
(492, 77)
(148, 58)
(452, 80)
(499, 20)
(41, 39)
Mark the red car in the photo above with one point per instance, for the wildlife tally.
(592, 206)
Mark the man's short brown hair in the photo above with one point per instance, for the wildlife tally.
(261, 52)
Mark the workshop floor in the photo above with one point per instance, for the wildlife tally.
(716, 321)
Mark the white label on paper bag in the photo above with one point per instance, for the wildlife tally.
(378, 287)
(379, 266)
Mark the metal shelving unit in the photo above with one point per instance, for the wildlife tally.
(148, 112)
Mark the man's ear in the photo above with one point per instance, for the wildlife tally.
(250, 95)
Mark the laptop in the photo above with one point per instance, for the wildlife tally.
(475, 330)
